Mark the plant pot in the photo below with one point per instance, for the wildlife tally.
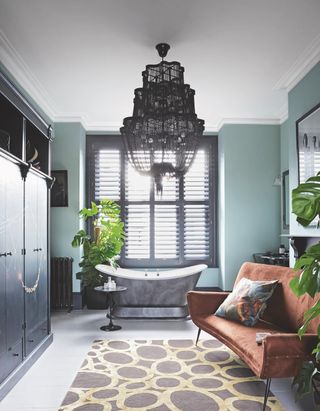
(95, 300)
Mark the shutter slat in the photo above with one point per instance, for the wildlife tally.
(137, 229)
(166, 231)
(107, 165)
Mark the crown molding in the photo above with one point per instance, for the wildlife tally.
(87, 125)
(99, 127)
(17, 67)
(248, 121)
(210, 129)
(70, 118)
(306, 61)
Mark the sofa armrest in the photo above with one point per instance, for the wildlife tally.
(204, 302)
(283, 354)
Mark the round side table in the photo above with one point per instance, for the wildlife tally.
(109, 295)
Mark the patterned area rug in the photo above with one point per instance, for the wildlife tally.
(164, 375)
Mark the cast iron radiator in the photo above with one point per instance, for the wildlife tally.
(61, 283)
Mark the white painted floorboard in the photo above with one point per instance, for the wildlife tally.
(46, 383)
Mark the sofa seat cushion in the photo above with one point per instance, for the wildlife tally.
(239, 338)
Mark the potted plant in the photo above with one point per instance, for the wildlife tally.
(103, 247)
(306, 206)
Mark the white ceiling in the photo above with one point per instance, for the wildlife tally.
(81, 60)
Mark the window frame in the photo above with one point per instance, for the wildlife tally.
(210, 143)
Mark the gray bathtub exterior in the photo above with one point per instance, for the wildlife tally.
(154, 298)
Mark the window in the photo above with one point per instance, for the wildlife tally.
(175, 229)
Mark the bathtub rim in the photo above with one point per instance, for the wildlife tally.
(174, 273)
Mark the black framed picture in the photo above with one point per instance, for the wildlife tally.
(308, 144)
(59, 191)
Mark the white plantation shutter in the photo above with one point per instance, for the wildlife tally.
(137, 227)
(172, 229)
(137, 187)
(196, 181)
(196, 232)
(196, 209)
(166, 238)
(107, 165)
(137, 214)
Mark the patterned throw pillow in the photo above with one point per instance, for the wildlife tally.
(247, 301)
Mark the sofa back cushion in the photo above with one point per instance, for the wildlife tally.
(247, 302)
(284, 309)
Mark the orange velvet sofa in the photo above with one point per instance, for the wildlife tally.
(280, 354)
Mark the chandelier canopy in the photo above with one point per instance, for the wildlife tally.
(163, 134)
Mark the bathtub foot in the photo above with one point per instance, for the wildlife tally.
(198, 335)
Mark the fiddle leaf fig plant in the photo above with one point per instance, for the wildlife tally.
(306, 206)
(106, 243)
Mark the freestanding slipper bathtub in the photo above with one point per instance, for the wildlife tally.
(153, 294)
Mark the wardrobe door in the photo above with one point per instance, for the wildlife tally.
(3, 340)
(35, 261)
(14, 265)
(31, 262)
(42, 240)
(11, 267)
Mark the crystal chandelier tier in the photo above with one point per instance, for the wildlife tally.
(162, 136)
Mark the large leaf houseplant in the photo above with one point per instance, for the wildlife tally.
(104, 245)
(306, 206)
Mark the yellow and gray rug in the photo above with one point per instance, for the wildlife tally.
(164, 375)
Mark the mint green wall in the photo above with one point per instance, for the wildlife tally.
(284, 136)
(302, 98)
(68, 153)
(249, 204)
(284, 165)
(209, 278)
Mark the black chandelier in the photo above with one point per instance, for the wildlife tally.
(162, 136)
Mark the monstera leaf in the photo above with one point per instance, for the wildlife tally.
(303, 380)
(306, 200)
(306, 206)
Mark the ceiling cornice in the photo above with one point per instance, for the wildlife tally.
(258, 121)
(15, 64)
(17, 67)
(90, 127)
(306, 61)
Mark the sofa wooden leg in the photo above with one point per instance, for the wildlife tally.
(266, 393)
(198, 335)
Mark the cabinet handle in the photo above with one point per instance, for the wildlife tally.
(9, 253)
(3, 254)
(30, 341)
(35, 249)
(39, 249)
(15, 355)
